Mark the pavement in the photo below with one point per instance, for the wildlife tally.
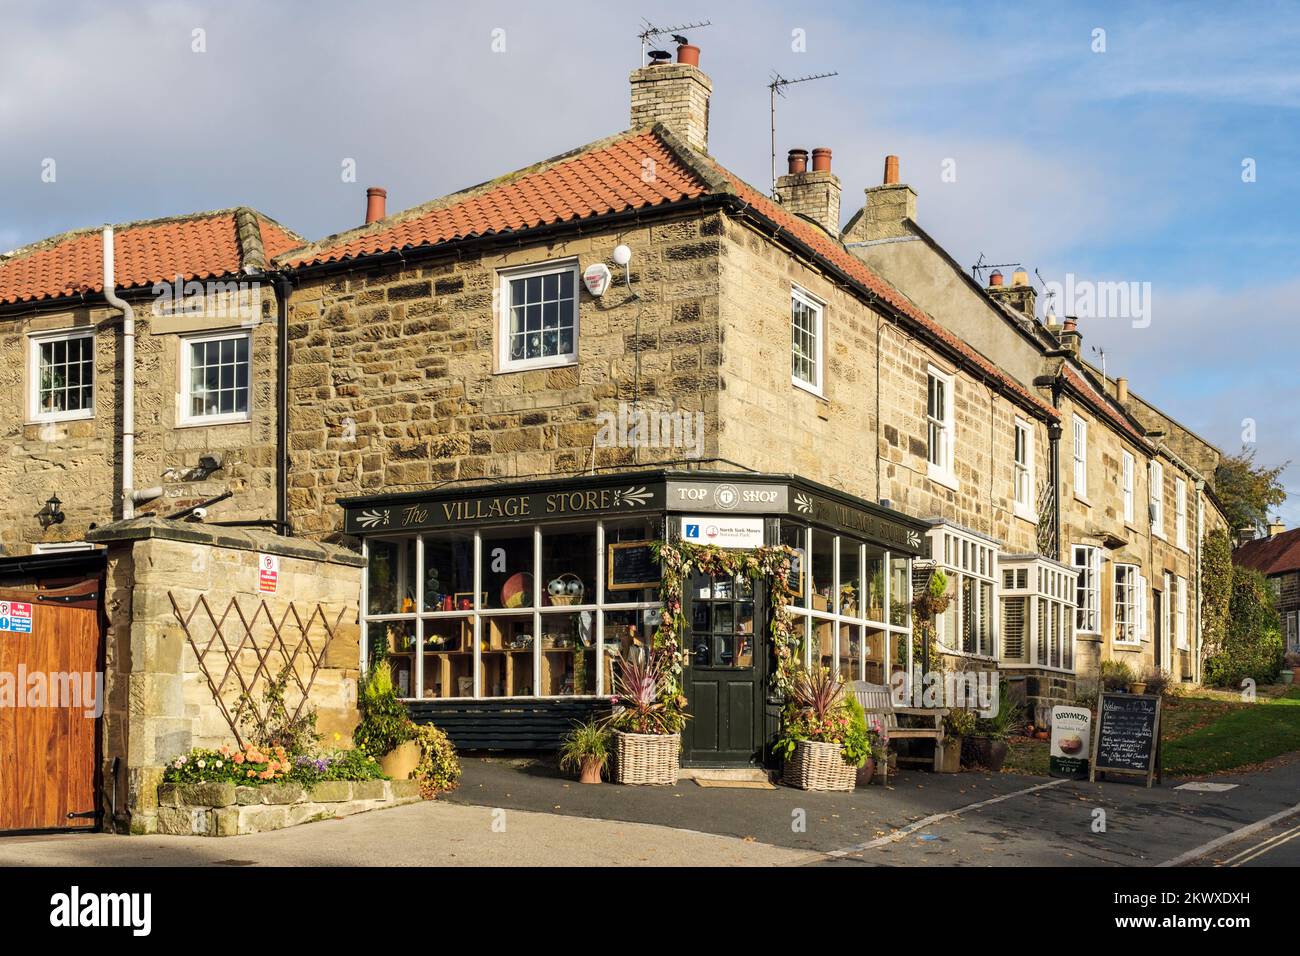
(524, 812)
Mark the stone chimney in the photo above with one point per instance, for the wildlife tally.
(1070, 337)
(1020, 295)
(888, 205)
(1275, 527)
(675, 94)
(812, 193)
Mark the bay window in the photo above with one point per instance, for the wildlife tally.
(969, 625)
(1038, 613)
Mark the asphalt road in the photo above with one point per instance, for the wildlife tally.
(524, 813)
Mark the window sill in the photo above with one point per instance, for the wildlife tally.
(806, 387)
(1083, 500)
(1159, 534)
(1135, 646)
(943, 477)
(215, 420)
(1024, 514)
(59, 418)
(562, 362)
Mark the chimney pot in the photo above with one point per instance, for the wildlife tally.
(688, 53)
(891, 170)
(821, 157)
(1020, 277)
(798, 159)
(1276, 527)
(1121, 390)
(1071, 325)
(995, 278)
(376, 204)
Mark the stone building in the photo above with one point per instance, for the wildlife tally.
(1277, 557)
(204, 375)
(504, 394)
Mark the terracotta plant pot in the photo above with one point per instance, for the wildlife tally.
(867, 772)
(591, 769)
(401, 762)
(1137, 687)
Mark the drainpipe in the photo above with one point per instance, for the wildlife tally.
(1199, 485)
(128, 376)
(283, 287)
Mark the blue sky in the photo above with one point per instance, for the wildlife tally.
(1122, 165)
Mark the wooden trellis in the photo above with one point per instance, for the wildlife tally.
(219, 643)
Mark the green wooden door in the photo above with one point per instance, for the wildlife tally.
(725, 672)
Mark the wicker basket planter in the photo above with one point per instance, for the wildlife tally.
(818, 766)
(646, 758)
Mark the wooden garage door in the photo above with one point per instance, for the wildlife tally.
(48, 753)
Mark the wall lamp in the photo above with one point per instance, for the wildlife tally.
(52, 513)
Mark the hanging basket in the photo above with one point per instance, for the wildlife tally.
(818, 766)
(928, 605)
(646, 758)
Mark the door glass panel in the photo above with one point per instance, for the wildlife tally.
(722, 621)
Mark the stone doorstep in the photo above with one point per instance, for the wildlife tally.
(244, 814)
(744, 774)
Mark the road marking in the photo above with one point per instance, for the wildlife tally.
(935, 818)
(1259, 849)
(1228, 837)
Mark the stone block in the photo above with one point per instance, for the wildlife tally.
(261, 818)
(404, 789)
(330, 791)
(368, 790)
(206, 794)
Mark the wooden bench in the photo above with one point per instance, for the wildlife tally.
(876, 699)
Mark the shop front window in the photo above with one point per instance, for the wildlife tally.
(841, 601)
(513, 612)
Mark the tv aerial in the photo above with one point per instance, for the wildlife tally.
(777, 88)
(649, 30)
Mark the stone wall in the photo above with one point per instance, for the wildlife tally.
(394, 386)
(159, 703)
(80, 460)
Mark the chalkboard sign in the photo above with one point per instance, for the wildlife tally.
(1127, 738)
(632, 565)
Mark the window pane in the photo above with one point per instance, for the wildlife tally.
(850, 579)
(793, 536)
(569, 566)
(506, 657)
(448, 572)
(873, 576)
(391, 581)
(506, 568)
(448, 656)
(899, 595)
(623, 531)
(823, 571)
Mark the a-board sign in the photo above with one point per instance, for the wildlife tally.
(631, 565)
(1071, 732)
(1127, 736)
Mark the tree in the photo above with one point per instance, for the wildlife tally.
(1252, 646)
(1248, 492)
(1216, 591)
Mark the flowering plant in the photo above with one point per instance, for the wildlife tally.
(818, 709)
(439, 769)
(229, 765)
(649, 697)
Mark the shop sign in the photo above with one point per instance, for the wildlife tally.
(728, 496)
(876, 527)
(16, 616)
(529, 506)
(723, 531)
(268, 572)
(1071, 732)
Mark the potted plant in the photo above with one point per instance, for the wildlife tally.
(385, 730)
(1292, 662)
(1116, 676)
(864, 741)
(987, 743)
(586, 748)
(821, 747)
(958, 724)
(648, 724)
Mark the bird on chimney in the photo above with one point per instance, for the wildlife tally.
(679, 39)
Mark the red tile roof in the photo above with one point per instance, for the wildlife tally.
(839, 257)
(608, 178)
(1101, 405)
(1275, 555)
(201, 246)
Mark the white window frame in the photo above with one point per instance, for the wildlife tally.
(1049, 592)
(1127, 599)
(817, 387)
(36, 340)
(1156, 476)
(184, 418)
(504, 278)
(1180, 513)
(965, 556)
(1089, 587)
(1080, 457)
(1023, 471)
(1127, 467)
(942, 470)
(1180, 611)
(1293, 631)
